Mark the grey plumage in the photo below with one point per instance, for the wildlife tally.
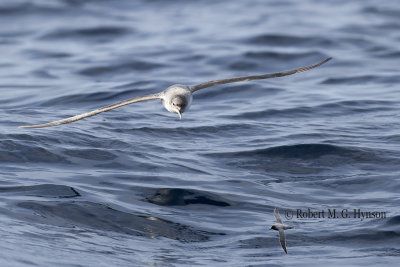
(258, 77)
(280, 227)
(94, 112)
(176, 98)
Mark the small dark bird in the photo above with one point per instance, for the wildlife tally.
(280, 227)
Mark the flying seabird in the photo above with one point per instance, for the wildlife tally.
(176, 98)
(280, 227)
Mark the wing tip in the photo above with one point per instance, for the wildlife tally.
(25, 126)
(327, 59)
(36, 126)
(323, 61)
(303, 69)
(276, 211)
(28, 127)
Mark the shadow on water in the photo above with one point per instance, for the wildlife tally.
(100, 217)
(183, 197)
(90, 215)
(43, 190)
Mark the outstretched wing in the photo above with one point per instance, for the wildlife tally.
(282, 239)
(95, 112)
(257, 77)
(277, 216)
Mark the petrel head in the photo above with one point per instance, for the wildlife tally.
(179, 104)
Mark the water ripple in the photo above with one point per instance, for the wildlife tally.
(97, 33)
(103, 218)
(137, 186)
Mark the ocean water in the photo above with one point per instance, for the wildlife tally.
(136, 186)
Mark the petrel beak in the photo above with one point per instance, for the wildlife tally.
(180, 115)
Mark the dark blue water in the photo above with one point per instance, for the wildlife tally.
(139, 187)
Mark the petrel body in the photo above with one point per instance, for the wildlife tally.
(280, 227)
(176, 98)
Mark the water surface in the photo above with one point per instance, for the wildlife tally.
(139, 187)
